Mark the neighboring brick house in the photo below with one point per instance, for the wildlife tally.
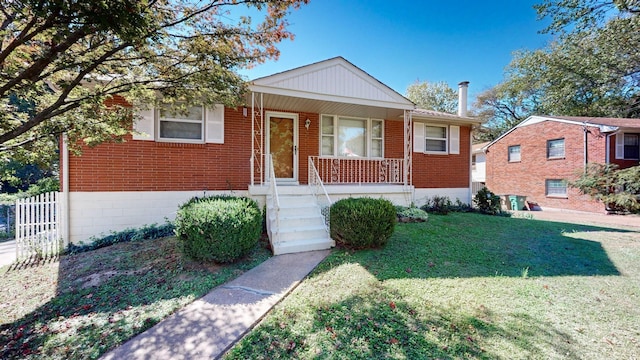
(329, 118)
(537, 157)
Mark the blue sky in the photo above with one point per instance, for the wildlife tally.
(399, 42)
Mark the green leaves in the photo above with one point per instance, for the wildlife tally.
(437, 96)
(65, 63)
(619, 190)
(592, 68)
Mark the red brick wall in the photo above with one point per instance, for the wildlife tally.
(444, 171)
(528, 176)
(160, 166)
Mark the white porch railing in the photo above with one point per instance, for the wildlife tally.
(359, 170)
(38, 229)
(275, 202)
(318, 190)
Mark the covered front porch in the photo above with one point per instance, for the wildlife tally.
(322, 132)
(329, 118)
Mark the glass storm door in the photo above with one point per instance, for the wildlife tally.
(283, 146)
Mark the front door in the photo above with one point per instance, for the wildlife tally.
(283, 145)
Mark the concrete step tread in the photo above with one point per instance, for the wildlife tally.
(298, 229)
(294, 246)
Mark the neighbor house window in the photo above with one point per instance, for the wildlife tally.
(631, 146)
(435, 139)
(514, 153)
(181, 125)
(555, 149)
(348, 136)
(556, 187)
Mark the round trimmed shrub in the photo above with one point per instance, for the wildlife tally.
(362, 222)
(218, 228)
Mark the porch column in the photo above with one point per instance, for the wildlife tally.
(408, 149)
(257, 138)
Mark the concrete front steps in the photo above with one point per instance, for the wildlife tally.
(300, 227)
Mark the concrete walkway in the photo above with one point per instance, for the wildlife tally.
(208, 327)
(7, 252)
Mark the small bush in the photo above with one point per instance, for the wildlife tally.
(362, 222)
(146, 232)
(218, 228)
(438, 205)
(487, 202)
(411, 214)
(461, 207)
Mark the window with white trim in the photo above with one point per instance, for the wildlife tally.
(556, 187)
(631, 146)
(555, 149)
(436, 139)
(195, 124)
(351, 136)
(628, 146)
(514, 153)
(180, 125)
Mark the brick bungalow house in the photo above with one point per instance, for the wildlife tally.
(323, 131)
(537, 157)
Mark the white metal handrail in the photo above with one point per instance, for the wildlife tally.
(273, 191)
(315, 184)
(360, 170)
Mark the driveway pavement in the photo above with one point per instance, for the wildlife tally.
(7, 252)
(586, 218)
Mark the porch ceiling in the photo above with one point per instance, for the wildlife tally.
(326, 106)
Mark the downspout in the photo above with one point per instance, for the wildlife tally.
(607, 152)
(65, 191)
(586, 150)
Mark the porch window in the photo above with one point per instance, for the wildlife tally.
(514, 153)
(556, 187)
(555, 149)
(348, 136)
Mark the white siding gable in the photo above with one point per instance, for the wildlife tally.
(334, 77)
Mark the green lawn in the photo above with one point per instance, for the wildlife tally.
(80, 306)
(466, 286)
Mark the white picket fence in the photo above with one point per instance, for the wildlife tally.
(38, 228)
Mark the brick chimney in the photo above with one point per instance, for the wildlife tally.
(462, 98)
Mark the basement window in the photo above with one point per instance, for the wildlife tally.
(556, 188)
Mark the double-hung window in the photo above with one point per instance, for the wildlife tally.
(556, 187)
(181, 125)
(436, 139)
(514, 153)
(190, 124)
(628, 146)
(350, 136)
(555, 149)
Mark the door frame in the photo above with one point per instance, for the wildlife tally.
(296, 151)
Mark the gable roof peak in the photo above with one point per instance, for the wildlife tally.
(335, 77)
